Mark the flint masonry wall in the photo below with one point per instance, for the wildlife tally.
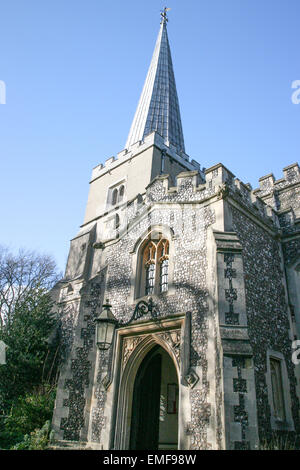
(284, 196)
(188, 293)
(267, 312)
(188, 212)
(188, 226)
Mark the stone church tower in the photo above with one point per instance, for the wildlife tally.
(199, 276)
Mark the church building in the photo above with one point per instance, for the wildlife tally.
(180, 304)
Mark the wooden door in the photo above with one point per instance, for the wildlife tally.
(144, 430)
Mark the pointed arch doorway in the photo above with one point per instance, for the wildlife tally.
(154, 412)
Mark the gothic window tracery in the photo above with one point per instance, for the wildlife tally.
(156, 266)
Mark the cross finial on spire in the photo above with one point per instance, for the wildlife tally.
(158, 108)
(163, 14)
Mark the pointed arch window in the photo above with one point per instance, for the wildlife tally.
(155, 267)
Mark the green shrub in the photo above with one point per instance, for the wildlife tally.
(37, 440)
(27, 416)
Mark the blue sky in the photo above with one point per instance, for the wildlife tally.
(74, 71)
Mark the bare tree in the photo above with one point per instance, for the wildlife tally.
(23, 275)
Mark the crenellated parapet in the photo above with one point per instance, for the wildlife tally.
(268, 183)
(152, 139)
(220, 183)
(283, 195)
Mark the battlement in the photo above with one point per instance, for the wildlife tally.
(220, 182)
(268, 183)
(152, 139)
(193, 185)
(283, 195)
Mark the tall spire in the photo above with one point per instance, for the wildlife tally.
(158, 108)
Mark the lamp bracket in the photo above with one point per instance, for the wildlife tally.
(142, 308)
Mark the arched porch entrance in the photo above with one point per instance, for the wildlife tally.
(154, 418)
(148, 405)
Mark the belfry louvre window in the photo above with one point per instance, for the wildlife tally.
(156, 265)
(121, 193)
(277, 389)
(116, 195)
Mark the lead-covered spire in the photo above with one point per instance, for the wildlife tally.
(158, 108)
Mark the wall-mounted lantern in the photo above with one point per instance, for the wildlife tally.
(106, 324)
(105, 327)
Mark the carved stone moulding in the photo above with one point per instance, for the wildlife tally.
(170, 338)
(191, 378)
(167, 334)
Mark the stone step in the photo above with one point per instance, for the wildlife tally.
(68, 445)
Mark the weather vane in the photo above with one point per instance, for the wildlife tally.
(163, 14)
